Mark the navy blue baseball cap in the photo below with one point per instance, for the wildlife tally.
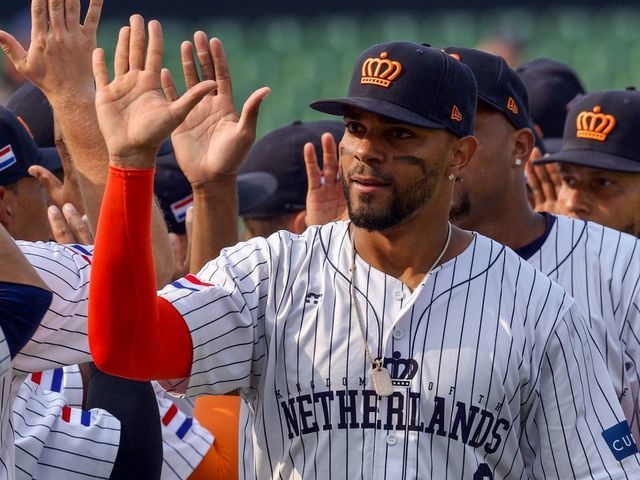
(32, 106)
(174, 193)
(602, 130)
(499, 86)
(18, 150)
(411, 83)
(551, 86)
(280, 154)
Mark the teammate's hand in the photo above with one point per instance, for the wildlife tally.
(544, 182)
(213, 140)
(69, 226)
(60, 192)
(134, 115)
(325, 199)
(59, 57)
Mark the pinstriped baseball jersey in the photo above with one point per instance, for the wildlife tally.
(494, 370)
(61, 338)
(184, 441)
(600, 268)
(59, 442)
(5, 355)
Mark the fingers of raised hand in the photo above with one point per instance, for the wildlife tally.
(46, 179)
(221, 66)
(154, 50)
(121, 57)
(168, 85)
(329, 158)
(92, 18)
(137, 42)
(188, 65)
(56, 16)
(204, 56)
(100, 68)
(77, 224)
(249, 117)
(314, 175)
(59, 227)
(72, 15)
(13, 49)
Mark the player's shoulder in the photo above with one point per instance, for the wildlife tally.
(602, 244)
(51, 255)
(514, 270)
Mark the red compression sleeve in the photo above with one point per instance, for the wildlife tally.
(132, 332)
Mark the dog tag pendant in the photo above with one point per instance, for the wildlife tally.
(381, 380)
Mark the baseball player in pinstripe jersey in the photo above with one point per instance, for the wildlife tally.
(596, 265)
(419, 349)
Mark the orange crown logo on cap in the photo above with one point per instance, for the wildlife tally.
(595, 125)
(512, 105)
(380, 71)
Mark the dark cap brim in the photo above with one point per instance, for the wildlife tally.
(591, 158)
(50, 159)
(339, 106)
(253, 189)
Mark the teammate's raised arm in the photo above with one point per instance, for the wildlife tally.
(135, 117)
(210, 146)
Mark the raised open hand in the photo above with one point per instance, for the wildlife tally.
(325, 199)
(59, 57)
(544, 182)
(213, 140)
(133, 113)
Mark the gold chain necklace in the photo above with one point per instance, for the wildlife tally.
(380, 377)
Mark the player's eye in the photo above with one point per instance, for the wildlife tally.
(398, 132)
(569, 180)
(604, 183)
(353, 127)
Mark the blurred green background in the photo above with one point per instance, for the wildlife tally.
(305, 58)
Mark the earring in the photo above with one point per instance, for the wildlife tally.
(452, 177)
(518, 162)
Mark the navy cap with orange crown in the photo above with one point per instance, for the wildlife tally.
(413, 84)
(31, 105)
(602, 130)
(18, 150)
(499, 86)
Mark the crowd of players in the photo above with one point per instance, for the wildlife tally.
(366, 326)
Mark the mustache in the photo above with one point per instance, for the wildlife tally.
(368, 170)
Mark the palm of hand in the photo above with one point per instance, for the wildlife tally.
(211, 138)
(133, 113)
(325, 204)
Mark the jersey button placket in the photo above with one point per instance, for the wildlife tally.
(391, 439)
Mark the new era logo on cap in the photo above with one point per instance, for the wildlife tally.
(7, 157)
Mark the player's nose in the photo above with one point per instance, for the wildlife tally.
(573, 201)
(368, 150)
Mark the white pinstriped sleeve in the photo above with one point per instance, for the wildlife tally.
(58, 442)
(223, 307)
(577, 427)
(61, 338)
(5, 355)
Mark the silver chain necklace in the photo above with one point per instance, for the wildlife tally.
(380, 377)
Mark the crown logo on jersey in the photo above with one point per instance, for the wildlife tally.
(455, 114)
(595, 125)
(512, 106)
(402, 370)
(380, 71)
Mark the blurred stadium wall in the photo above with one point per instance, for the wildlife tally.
(305, 50)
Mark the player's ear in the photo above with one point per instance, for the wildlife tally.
(463, 150)
(523, 143)
(5, 208)
(299, 223)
